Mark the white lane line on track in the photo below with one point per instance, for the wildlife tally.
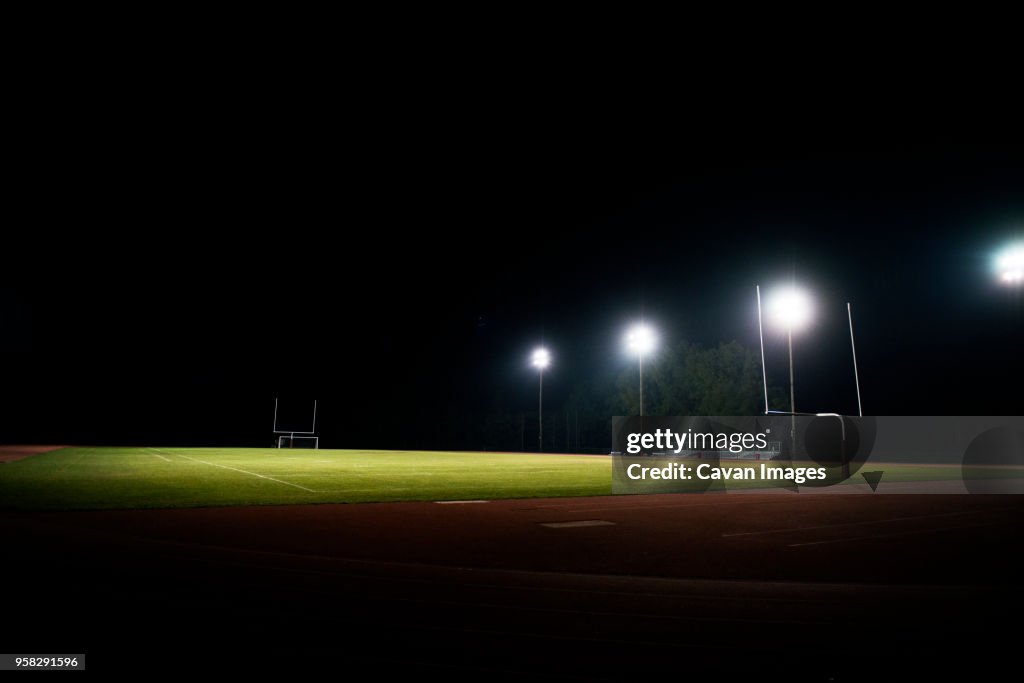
(719, 500)
(843, 524)
(892, 535)
(577, 524)
(235, 469)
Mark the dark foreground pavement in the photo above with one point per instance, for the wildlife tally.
(753, 586)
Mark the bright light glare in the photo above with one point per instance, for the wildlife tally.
(1010, 265)
(640, 339)
(541, 358)
(790, 307)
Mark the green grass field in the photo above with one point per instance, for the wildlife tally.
(107, 478)
(112, 478)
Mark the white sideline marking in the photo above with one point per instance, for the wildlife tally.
(834, 526)
(235, 469)
(159, 456)
(585, 522)
(459, 502)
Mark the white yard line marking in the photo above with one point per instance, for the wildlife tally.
(834, 526)
(152, 452)
(390, 489)
(460, 502)
(235, 469)
(892, 535)
(581, 523)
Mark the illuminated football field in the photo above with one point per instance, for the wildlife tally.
(103, 478)
(88, 478)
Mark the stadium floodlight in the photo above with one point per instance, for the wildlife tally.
(640, 339)
(1010, 265)
(541, 359)
(790, 307)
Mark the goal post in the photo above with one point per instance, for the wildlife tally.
(295, 424)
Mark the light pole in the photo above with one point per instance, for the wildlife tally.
(541, 359)
(791, 307)
(640, 340)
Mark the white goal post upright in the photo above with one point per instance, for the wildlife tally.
(286, 438)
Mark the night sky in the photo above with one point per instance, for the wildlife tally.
(402, 275)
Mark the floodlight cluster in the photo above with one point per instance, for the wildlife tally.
(790, 307)
(1010, 265)
(640, 339)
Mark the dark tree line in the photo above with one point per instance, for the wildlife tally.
(681, 379)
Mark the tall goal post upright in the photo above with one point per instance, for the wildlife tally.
(286, 438)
